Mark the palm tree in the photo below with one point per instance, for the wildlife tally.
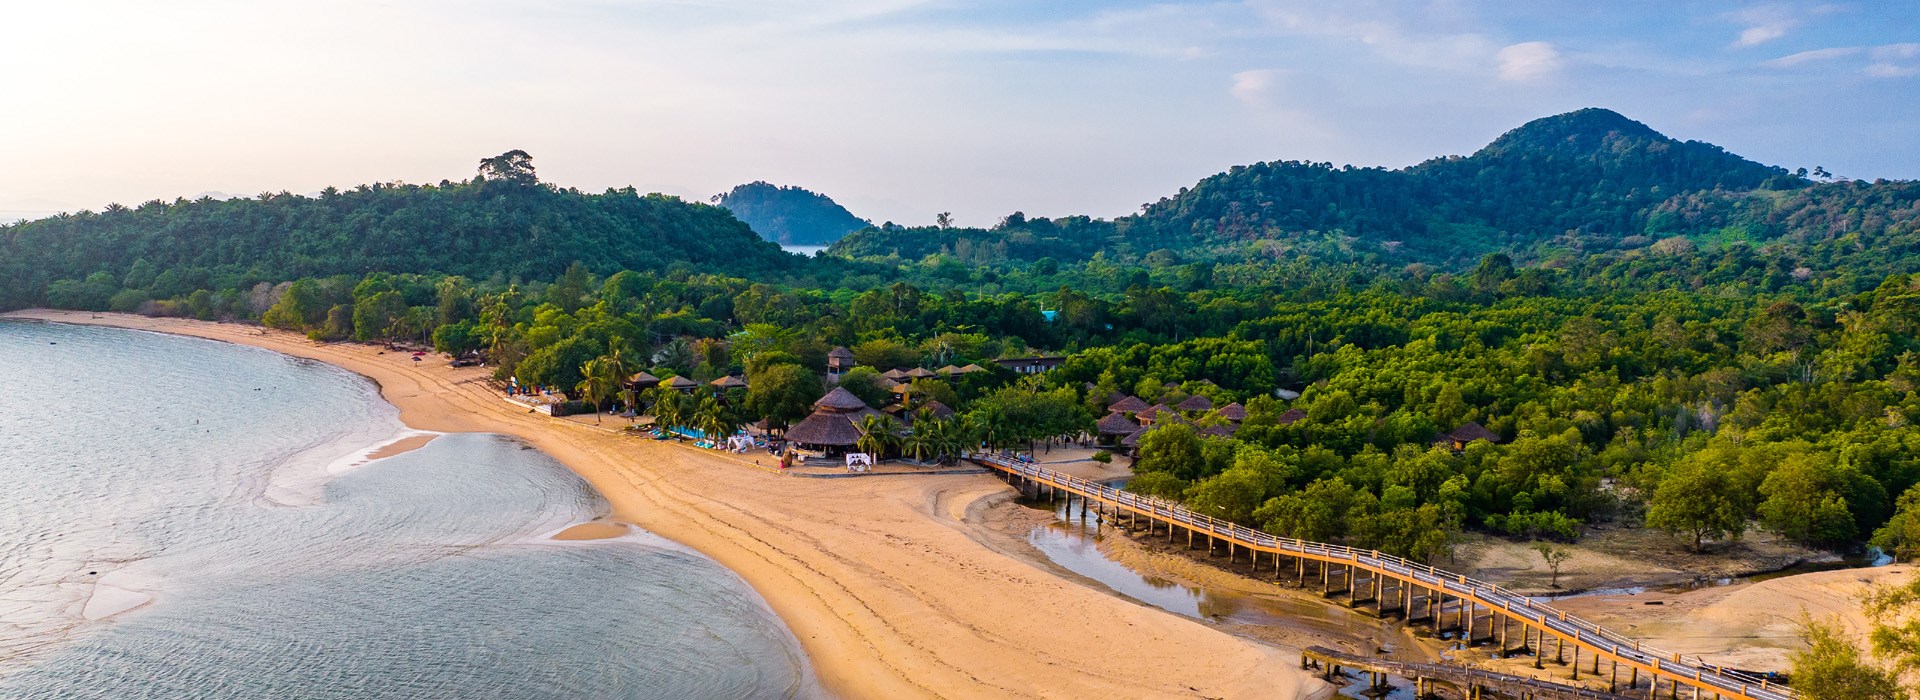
(667, 411)
(602, 382)
(876, 433)
(918, 444)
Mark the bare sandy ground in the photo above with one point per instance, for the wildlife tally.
(879, 578)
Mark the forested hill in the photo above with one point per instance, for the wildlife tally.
(502, 223)
(790, 215)
(1591, 173)
(1558, 188)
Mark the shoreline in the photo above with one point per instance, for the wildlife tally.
(879, 579)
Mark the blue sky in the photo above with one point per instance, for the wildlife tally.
(904, 108)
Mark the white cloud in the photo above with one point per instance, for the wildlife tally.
(1529, 61)
(1255, 87)
(1755, 36)
(1814, 56)
(1890, 70)
(1891, 52)
(1764, 24)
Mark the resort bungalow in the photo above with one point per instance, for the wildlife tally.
(1466, 435)
(1129, 405)
(642, 382)
(681, 384)
(1293, 415)
(834, 426)
(1195, 404)
(1031, 365)
(1115, 427)
(839, 360)
(971, 368)
(1233, 412)
(728, 383)
(905, 413)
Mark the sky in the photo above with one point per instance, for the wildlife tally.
(901, 109)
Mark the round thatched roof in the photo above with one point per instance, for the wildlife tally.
(840, 353)
(729, 382)
(1117, 424)
(1196, 403)
(1233, 412)
(644, 380)
(825, 428)
(971, 368)
(681, 383)
(840, 400)
(1130, 404)
(920, 373)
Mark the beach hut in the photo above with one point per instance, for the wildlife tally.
(1293, 415)
(947, 371)
(895, 374)
(729, 382)
(680, 384)
(920, 373)
(1233, 412)
(1195, 404)
(642, 382)
(834, 426)
(1129, 404)
(1115, 427)
(971, 368)
(906, 413)
(1155, 414)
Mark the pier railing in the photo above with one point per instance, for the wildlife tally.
(1691, 671)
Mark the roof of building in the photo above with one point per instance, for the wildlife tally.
(729, 382)
(1473, 431)
(840, 400)
(1133, 438)
(895, 373)
(825, 428)
(1292, 415)
(1117, 424)
(920, 373)
(644, 379)
(840, 353)
(971, 368)
(1233, 412)
(1129, 404)
(680, 383)
(1195, 403)
(949, 369)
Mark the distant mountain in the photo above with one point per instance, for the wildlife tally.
(1581, 180)
(505, 223)
(790, 215)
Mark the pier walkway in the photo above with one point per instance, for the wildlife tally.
(1474, 681)
(1416, 592)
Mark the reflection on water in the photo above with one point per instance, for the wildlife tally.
(185, 518)
(1074, 542)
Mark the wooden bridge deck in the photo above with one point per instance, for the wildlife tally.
(1415, 585)
(1470, 679)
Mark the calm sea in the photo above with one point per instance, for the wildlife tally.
(185, 518)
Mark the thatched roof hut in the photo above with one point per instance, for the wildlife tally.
(1129, 404)
(920, 373)
(680, 384)
(1233, 412)
(971, 368)
(729, 382)
(1153, 413)
(1195, 403)
(839, 358)
(1117, 424)
(895, 374)
(643, 381)
(948, 370)
(1293, 415)
(834, 423)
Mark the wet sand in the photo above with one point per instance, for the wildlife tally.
(881, 579)
(592, 531)
(401, 446)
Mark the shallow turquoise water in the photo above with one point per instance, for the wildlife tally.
(214, 491)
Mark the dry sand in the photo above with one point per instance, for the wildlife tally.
(879, 578)
(597, 530)
(401, 446)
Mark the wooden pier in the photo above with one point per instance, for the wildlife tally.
(1474, 683)
(1480, 612)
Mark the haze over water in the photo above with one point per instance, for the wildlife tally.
(192, 484)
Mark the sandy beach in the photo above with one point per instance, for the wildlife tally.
(881, 580)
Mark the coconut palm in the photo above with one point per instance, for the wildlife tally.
(667, 408)
(602, 382)
(876, 434)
